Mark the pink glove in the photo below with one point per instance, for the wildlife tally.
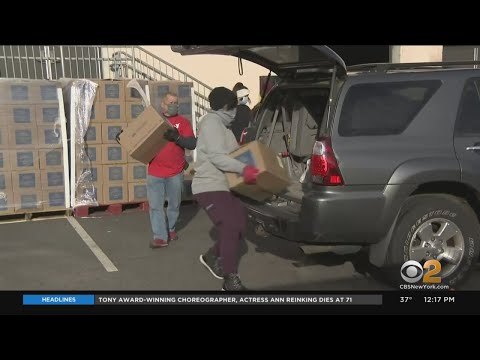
(250, 174)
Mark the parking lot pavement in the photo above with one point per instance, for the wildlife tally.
(50, 255)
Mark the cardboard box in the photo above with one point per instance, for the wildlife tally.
(4, 138)
(272, 179)
(97, 113)
(46, 114)
(137, 192)
(131, 160)
(50, 158)
(5, 160)
(81, 89)
(28, 201)
(114, 173)
(158, 89)
(17, 115)
(91, 193)
(53, 199)
(26, 180)
(113, 154)
(185, 109)
(92, 155)
(5, 181)
(24, 137)
(112, 90)
(132, 94)
(49, 137)
(133, 110)
(143, 138)
(45, 91)
(21, 160)
(94, 134)
(21, 91)
(110, 112)
(92, 174)
(110, 131)
(4, 121)
(52, 179)
(16, 91)
(137, 172)
(115, 193)
(7, 202)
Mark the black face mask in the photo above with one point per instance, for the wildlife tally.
(172, 109)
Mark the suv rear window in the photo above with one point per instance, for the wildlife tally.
(468, 122)
(384, 108)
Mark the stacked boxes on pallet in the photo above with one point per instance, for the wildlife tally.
(136, 171)
(108, 158)
(32, 177)
(116, 177)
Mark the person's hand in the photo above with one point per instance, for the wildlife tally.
(250, 174)
(171, 134)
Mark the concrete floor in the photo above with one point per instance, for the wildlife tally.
(49, 255)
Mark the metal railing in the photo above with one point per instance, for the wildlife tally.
(94, 62)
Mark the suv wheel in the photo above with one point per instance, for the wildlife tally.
(434, 227)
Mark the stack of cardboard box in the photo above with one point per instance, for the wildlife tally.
(31, 150)
(117, 177)
(106, 160)
(136, 171)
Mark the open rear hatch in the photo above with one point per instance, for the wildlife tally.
(283, 60)
(290, 118)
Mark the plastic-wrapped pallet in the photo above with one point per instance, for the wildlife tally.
(84, 157)
(33, 147)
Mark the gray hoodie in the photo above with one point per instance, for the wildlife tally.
(215, 142)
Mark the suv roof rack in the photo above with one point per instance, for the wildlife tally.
(384, 67)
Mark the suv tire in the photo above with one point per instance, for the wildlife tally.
(421, 210)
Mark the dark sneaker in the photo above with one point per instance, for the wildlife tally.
(212, 263)
(158, 243)
(232, 283)
(172, 235)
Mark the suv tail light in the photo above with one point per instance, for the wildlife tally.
(323, 165)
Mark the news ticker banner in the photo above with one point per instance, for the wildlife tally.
(199, 299)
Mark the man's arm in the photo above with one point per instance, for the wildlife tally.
(183, 137)
(189, 143)
(187, 138)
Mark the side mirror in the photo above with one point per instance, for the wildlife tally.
(248, 135)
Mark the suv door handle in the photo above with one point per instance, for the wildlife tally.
(473, 148)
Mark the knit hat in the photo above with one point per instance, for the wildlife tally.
(221, 96)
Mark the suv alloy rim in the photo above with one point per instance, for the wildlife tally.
(438, 239)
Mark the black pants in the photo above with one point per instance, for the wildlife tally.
(230, 219)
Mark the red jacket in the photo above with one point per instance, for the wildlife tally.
(171, 159)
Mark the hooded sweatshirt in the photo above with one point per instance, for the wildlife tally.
(215, 142)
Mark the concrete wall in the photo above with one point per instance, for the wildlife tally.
(416, 53)
(215, 70)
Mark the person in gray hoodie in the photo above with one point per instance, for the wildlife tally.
(211, 191)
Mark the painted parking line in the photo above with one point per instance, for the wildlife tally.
(106, 262)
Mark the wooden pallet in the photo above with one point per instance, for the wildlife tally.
(112, 209)
(34, 215)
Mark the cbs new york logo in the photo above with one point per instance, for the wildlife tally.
(413, 272)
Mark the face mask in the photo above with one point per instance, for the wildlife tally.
(243, 100)
(172, 109)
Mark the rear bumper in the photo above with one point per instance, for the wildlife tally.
(341, 216)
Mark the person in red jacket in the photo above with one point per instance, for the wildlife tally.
(165, 174)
